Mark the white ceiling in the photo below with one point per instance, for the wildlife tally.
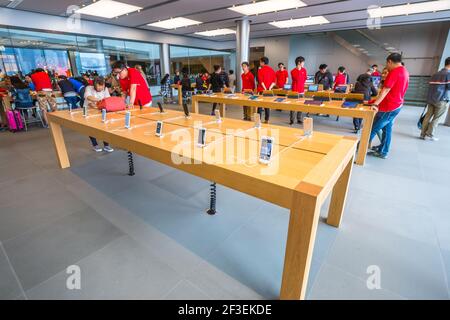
(343, 14)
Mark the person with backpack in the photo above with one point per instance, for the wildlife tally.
(20, 91)
(324, 77)
(437, 102)
(365, 86)
(68, 91)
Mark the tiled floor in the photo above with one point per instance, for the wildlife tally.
(148, 237)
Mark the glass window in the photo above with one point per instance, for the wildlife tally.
(147, 56)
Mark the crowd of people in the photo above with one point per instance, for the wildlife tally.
(386, 95)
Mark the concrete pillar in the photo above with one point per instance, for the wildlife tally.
(165, 59)
(242, 47)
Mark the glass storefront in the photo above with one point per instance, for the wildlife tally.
(198, 60)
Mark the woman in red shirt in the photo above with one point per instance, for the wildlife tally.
(341, 77)
(248, 83)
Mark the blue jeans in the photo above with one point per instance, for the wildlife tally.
(72, 102)
(384, 122)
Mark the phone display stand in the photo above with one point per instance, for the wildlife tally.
(308, 126)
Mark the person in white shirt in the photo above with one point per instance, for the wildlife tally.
(92, 95)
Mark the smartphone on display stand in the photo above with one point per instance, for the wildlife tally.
(140, 104)
(218, 118)
(308, 126)
(265, 153)
(103, 115)
(161, 109)
(159, 128)
(257, 118)
(85, 111)
(128, 120)
(201, 142)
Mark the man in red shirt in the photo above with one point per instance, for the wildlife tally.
(248, 83)
(266, 81)
(44, 88)
(298, 75)
(375, 72)
(282, 76)
(389, 103)
(133, 83)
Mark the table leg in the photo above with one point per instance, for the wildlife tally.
(222, 110)
(60, 146)
(339, 196)
(180, 96)
(194, 106)
(364, 140)
(303, 222)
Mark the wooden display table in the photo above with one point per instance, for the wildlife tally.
(302, 173)
(332, 107)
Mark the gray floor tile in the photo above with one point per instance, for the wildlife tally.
(9, 286)
(42, 252)
(334, 284)
(37, 210)
(404, 263)
(186, 291)
(121, 270)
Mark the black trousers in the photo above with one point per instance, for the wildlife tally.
(357, 123)
(266, 113)
(299, 116)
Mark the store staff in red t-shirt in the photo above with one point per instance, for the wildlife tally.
(341, 77)
(134, 84)
(298, 75)
(44, 88)
(282, 76)
(266, 81)
(248, 83)
(389, 102)
(375, 72)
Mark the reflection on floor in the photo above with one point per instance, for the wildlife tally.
(148, 237)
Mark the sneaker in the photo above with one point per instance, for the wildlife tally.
(291, 123)
(108, 149)
(422, 137)
(380, 155)
(97, 148)
(299, 121)
(431, 138)
(375, 148)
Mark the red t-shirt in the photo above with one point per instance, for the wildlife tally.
(298, 79)
(142, 91)
(398, 81)
(376, 74)
(340, 79)
(267, 76)
(281, 78)
(41, 81)
(248, 81)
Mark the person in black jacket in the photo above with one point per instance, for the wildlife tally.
(365, 86)
(216, 83)
(324, 77)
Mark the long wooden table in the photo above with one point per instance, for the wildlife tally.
(301, 175)
(332, 107)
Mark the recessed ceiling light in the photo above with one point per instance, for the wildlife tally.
(356, 45)
(218, 32)
(174, 23)
(410, 8)
(107, 9)
(267, 6)
(390, 48)
(302, 22)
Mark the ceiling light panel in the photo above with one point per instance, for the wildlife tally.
(266, 6)
(218, 32)
(302, 22)
(411, 8)
(108, 9)
(174, 23)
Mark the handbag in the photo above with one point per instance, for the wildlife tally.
(422, 117)
(112, 104)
